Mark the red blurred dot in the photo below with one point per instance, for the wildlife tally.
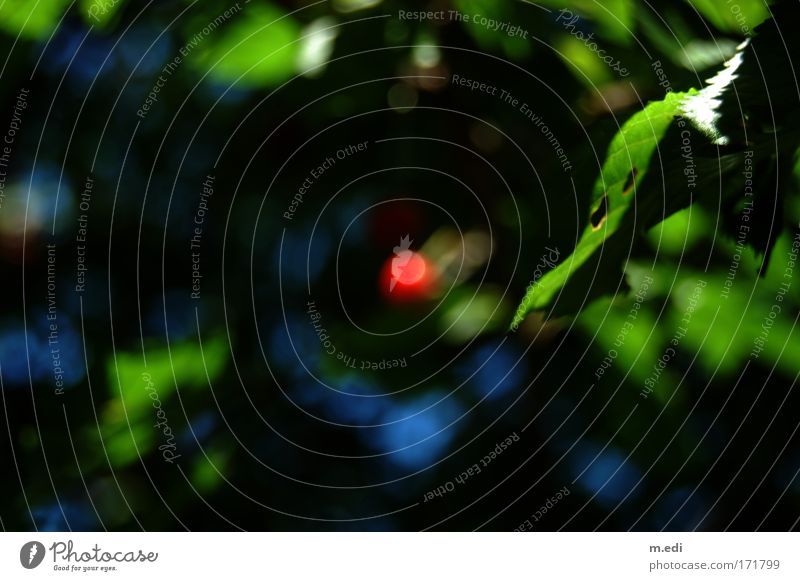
(408, 268)
(407, 276)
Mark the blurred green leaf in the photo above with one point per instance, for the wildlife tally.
(472, 312)
(488, 39)
(636, 344)
(127, 420)
(741, 16)
(347, 6)
(31, 19)
(259, 48)
(186, 361)
(592, 70)
(208, 469)
(126, 445)
(680, 232)
(672, 35)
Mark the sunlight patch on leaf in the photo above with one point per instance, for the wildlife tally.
(703, 108)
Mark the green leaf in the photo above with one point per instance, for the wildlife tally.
(471, 312)
(208, 469)
(626, 165)
(185, 360)
(256, 48)
(669, 32)
(30, 19)
(732, 125)
(591, 71)
(680, 232)
(750, 108)
(127, 418)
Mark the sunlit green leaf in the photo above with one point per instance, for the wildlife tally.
(627, 162)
